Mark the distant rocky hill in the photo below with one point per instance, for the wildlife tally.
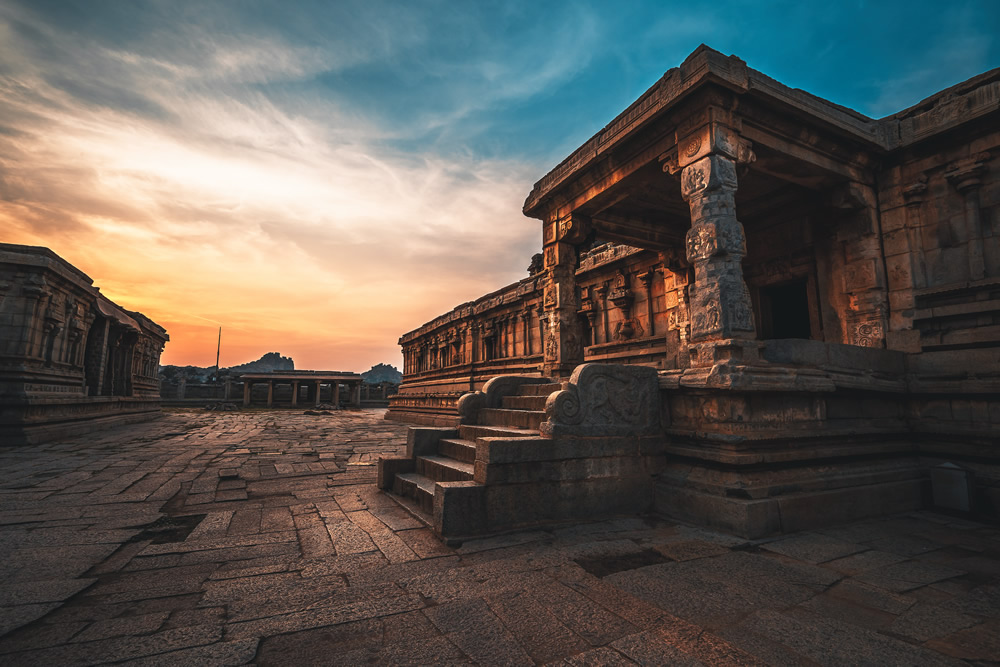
(382, 373)
(272, 361)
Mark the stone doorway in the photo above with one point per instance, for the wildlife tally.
(784, 311)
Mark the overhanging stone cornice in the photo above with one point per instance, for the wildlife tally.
(703, 67)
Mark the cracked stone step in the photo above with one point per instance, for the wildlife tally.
(521, 418)
(444, 469)
(538, 389)
(473, 432)
(458, 449)
(524, 402)
(416, 486)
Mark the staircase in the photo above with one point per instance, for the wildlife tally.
(454, 458)
(532, 452)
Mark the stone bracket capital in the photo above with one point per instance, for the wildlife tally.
(913, 194)
(714, 138)
(713, 172)
(966, 174)
(573, 228)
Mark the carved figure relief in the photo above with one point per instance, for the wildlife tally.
(630, 328)
(550, 299)
(742, 315)
(694, 181)
(551, 344)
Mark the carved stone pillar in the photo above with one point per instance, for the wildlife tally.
(295, 393)
(502, 337)
(602, 294)
(914, 197)
(720, 300)
(646, 278)
(563, 347)
(270, 393)
(526, 331)
(247, 388)
(542, 325)
(591, 316)
(317, 392)
(966, 176)
(335, 391)
(515, 329)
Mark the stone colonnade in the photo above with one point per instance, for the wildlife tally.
(314, 389)
(504, 325)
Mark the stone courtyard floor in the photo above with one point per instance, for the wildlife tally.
(216, 538)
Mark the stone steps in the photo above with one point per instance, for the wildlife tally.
(416, 486)
(527, 419)
(472, 432)
(444, 469)
(453, 461)
(458, 449)
(524, 402)
(538, 389)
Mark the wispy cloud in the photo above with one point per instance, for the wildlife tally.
(326, 176)
(205, 176)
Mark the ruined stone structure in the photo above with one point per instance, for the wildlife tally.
(70, 359)
(794, 310)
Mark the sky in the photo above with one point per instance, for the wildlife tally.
(320, 178)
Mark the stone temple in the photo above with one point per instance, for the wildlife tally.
(753, 309)
(71, 360)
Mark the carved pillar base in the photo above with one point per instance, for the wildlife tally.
(726, 351)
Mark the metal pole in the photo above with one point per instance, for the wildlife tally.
(217, 349)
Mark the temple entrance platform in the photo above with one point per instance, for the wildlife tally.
(260, 537)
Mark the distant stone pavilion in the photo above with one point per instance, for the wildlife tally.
(753, 309)
(70, 359)
(311, 381)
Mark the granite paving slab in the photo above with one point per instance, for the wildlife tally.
(259, 537)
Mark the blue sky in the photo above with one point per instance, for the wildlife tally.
(322, 177)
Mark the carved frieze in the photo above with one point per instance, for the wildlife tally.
(604, 254)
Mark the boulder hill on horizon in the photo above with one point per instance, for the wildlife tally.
(271, 361)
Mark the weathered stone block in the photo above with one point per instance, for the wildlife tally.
(389, 467)
(750, 519)
(459, 509)
(802, 511)
(423, 440)
(796, 352)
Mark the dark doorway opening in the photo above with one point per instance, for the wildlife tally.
(784, 311)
